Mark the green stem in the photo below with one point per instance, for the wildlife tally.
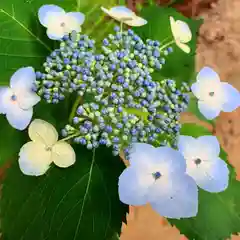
(121, 27)
(74, 108)
(71, 136)
(166, 45)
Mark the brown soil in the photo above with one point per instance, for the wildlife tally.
(219, 48)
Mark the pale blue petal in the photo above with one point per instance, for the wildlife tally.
(141, 155)
(5, 99)
(121, 9)
(208, 111)
(207, 74)
(212, 176)
(232, 97)
(185, 145)
(196, 90)
(27, 99)
(133, 186)
(19, 118)
(78, 15)
(45, 10)
(23, 79)
(175, 198)
(209, 144)
(170, 159)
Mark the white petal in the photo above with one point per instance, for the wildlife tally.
(23, 79)
(187, 145)
(173, 27)
(42, 131)
(183, 46)
(232, 97)
(27, 99)
(34, 160)
(210, 145)
(207, 74)
(120, 13)
(209, 111)
(133, 186)
(168, 161)
(45, 11)
(56, 34)
(136, 22)
(80, 17)
(19, 118)
(212, 176)
(105, 10)
(175, 197)
(5, 99)
(183, 31)
(63, 154)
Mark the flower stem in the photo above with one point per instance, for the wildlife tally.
(121, 27)
(71, 136)
(74, 108)
(166, 45)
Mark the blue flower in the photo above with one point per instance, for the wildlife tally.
(203, 163)
(58, 22)
(17, 101)
(213, 95)
(157, 176)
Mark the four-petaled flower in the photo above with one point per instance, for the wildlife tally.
(213, 95)
(157, 176)
(125, 15)
(58, 22)
(181, 34)
(35, 157)
(203, 163)
(17, 101)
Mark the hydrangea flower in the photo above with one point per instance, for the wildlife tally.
(17, 101)
(181, 34)
(125, 15)
(213, 95)
(58, 22)
(203, 163)
(36, 156)
(157, 176)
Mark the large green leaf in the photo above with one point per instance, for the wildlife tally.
(179, 65)
(219, 213)
(23, 40)
(80, 202)
(10, 141)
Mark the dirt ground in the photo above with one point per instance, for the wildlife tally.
(219, 48)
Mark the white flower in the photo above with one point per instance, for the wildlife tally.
(17, 101)
(125, 15)
(157, 176)
(213, 95)
(58, 22)
(203, 163)
(36, 156)
(181, 34)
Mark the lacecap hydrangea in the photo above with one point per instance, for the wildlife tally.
(122, 102)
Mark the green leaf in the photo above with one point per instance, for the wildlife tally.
(219, 213)
(11, 141)
(179, 65)
(24, 41)
(80, 202)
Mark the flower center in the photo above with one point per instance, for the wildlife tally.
(63, 24)
(156, 175)
(211, 94)
(14, 97)
(48, 149)
(197, 161)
